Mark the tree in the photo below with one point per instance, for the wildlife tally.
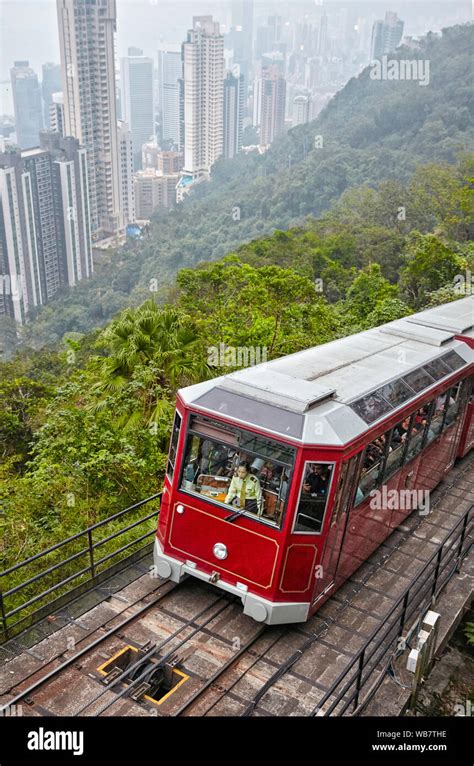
(151, 352)
(430, 264)
(367, 292)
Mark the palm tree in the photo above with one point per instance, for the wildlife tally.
(152, 351)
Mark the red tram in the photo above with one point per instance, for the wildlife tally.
(284, 477)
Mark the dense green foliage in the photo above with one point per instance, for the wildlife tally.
(86, 420)
(371, 132)
(86, 425)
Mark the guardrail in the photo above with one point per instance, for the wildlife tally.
(358, 682)
(95, 571)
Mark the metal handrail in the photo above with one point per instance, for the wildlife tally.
(79, 534)
(91, 568)
(362, 658)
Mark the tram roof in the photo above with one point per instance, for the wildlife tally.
(334, 392)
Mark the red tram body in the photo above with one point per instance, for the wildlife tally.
(336, 446)
(466, 442)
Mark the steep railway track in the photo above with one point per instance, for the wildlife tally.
(228, 664)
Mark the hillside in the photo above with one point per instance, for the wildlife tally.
(85, 424)
(372, 131)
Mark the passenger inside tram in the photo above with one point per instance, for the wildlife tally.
(313, 498)
(418, 430)
(317, 479)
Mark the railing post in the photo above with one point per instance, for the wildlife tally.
(4, 617)
(436, 574)
(461, 542)
(404, 611)
(359, 678)
(91, 553)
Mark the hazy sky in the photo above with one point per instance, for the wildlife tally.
(28, 28)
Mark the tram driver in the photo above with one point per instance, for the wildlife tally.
(245, 490)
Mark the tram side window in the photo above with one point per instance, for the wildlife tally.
(371, 467)
(406, 440)
(316, 484)
(173, 445)
(453, 401)
(438, 407)
(245, 471)
(396, 448)
(419, 424)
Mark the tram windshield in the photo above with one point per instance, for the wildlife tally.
(246, 471)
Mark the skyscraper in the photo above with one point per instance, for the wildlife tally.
(45, 239)
(268, 37)
(386, 35)
(272, 109)
(203, 96)
(242, 17)
(86, 39)
(233, 114)
(51, 83)
(125, 141)
(257, 101)
(27, 104)
(241, 37)
(69, 180)
(170, 74)
(323, 36)
(136, 72)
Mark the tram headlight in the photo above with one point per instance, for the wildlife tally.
(220, 551)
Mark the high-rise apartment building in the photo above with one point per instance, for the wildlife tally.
(203, 96)
(125, 142)
(233, 114)
(136, 72)
(386, 35)
(272, 108)
(86, 37)
(301, 109)
(45, 238)
(241, 37)
(27, 104)
(170, 76)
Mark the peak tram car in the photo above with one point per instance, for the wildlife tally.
(283, 478)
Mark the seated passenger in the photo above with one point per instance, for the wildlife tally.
(266, 473)
(214, 458)
(246, 489)
(373, 455)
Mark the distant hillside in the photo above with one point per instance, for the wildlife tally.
(372, 131)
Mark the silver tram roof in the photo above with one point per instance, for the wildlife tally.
(313, 396)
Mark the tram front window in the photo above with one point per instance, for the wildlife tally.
(245, 471)
(314, 494)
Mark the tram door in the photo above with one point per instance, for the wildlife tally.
(337, 528)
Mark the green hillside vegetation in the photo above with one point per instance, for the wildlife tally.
(86, 423)
(372, 133)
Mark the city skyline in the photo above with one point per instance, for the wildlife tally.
(150, 127)
(171, 20)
